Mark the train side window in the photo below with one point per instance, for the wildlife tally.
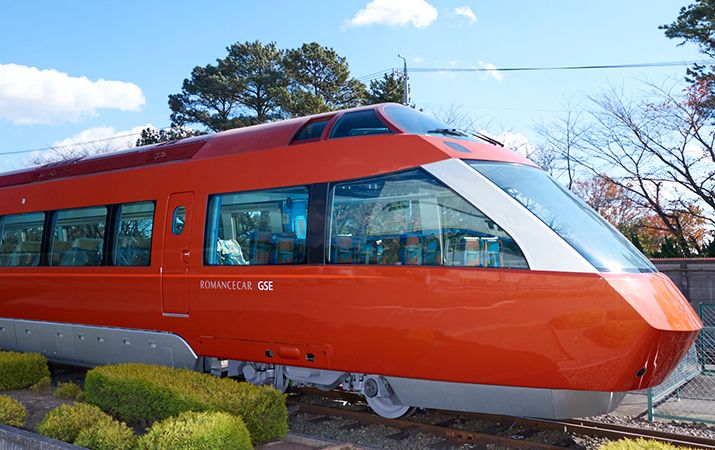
(258, 227)
(310, 131)
(21, 239)
(411, 218)
(133, 238)
(178, 220)
(358, 123)
(78, 237)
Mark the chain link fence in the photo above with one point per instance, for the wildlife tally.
(689, 392)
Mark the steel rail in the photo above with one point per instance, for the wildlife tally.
(600, 429)
(574, 426)
(451, 434)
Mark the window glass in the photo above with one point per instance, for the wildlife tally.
(572, 219)
(313, 130)
(21, 239)
(412, 121)
(179, 220)
(78, 237)
(259, 227)
(358, 123)
(133, 244)
(411, 218)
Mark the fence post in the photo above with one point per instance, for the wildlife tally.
(650, 404)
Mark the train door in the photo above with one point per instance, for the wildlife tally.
(177, 254)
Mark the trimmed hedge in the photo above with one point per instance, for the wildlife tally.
(198, 431)
(107, 436)
(140, 394)
(68, 391)
(87, 426)
(12, 412)
(43, 385)
(21, 370)
(639, 444)
(66, 421)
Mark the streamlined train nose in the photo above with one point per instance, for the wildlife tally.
(673, 323)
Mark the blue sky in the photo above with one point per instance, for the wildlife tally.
(145, 50)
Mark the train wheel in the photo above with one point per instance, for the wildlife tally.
(280, 381)
(388, 408)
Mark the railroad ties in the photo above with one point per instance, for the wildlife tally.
(502, 431)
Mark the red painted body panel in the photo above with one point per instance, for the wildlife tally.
(473, 325)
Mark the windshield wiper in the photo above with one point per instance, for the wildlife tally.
(491, 140)
(448, 132)
(456, 132)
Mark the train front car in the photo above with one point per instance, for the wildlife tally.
(373, 249)
(564, 315)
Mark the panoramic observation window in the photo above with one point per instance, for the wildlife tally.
(258, 227)
(358, 123)
(133, 242)
(572, 219)
(178, 220)
(312, 130)
(21, 239)
(78, 237)
(411, 218)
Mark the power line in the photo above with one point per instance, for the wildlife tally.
(552, 68)
(389, 69)
(76, 144)
(372, 76)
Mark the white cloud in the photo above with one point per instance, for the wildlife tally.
(514, 141)
(92, 141)
(418, 60)
(491, 70)
(29, 95)
(467, 12)
(110, 137)
(394, 13)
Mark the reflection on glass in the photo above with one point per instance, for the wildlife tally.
(412, 219)
(258, 227)
(572, 219)
(20, 239)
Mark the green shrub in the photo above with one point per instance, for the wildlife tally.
(198, 431)
(41, 386)
(138, 393)
(103, 435)
(12, 412)
(66, 421)
(68, 391)
(21, 370)
(640, 444)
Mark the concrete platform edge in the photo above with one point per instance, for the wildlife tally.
(12, 438)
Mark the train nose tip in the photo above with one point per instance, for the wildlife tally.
(656, 299)
(673, 323)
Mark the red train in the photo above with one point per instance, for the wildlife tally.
(372, 249)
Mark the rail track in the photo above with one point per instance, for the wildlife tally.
(505, 431)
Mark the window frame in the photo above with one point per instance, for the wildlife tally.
(41, 255)
(108, 243)
(392, 129)
(116, 219)
(174, 215)
(209, 248)
(329, 227)
(105, 239)
(329, 120)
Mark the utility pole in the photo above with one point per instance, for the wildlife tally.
(405, 84)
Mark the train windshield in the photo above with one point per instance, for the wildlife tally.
(412, 121)
(571, 218)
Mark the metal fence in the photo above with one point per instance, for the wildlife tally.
(689, 392)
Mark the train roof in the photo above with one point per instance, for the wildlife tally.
(231, 142)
